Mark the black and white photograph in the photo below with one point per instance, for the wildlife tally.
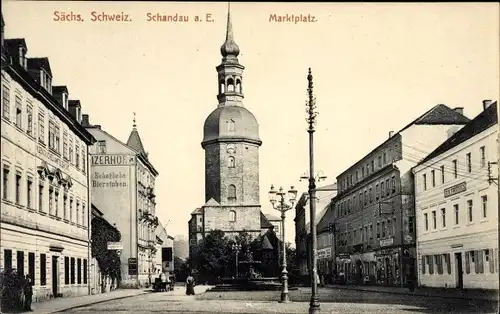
(249, 157)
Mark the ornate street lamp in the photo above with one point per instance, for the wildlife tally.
(236, 249)
(283, 206)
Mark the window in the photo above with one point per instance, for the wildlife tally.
(479, 264)
(393, 184)
(410, 224)
(54, 137)
(430, 262)
(373, 165)
(424, 180)
(19, 112)
(231, 192)
(77, 216)
(469, 209)
(362, 172)
(65, 146)
(41, 128)
(376, 192)
(382, 189)
(385, 158)
(489, 260)
(383, 229)
(20, 263)
(85, 271)
(357, 176)
(72, 276)
(65, 205)
(5, 186)
(29, 193)
(467, 262)
(56, 201)
(71, 209)
(230, 126)
(469, 162)
(6, 102)
(232, 216)
(43, 270)
(371, 195)
(442, 174)
(66, 270)
(443, 217)
(29, 114)
(433, 178)
(455, 168)
(79, 270)
(455, 209)
(70, 151)
(84, 215)
(7, 257)
(394, 225)
(378, 230)
(31, 265)
(423, 264)
(101, 147)
(434, 220)
(380, 161)
(231, 162)
(84, 159)
(389, 227)
(371, 231)
(484, 201)
(361, 199)
(447, 261)
(51, 200)
(366, 197)
(482, 151)
(439, 263)
(77, 157)
(18, 188)
(387, 189)
(40, 197)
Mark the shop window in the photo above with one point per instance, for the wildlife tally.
(43, 270)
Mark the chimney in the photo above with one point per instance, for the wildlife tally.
(75, 110)
(85, 120)
(391, 133)
(460, 110)
(487, 103)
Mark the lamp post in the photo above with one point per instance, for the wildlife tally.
(311, 121)
(236, 248)
(282, 206)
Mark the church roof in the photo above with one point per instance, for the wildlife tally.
(211, 202)
(196, 211)
(266, 244)
(218, 125)
(272, 217)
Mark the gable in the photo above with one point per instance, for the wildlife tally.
(113, 145)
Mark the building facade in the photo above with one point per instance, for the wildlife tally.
(326, 242)
(231, 142)
(123, 188)
(375, 208)
(457, 208)
(324, 194)
(276, 222)
(165, 251)
(44, 221)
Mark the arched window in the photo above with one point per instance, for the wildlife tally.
(221, 87)
(232, 216)
(230, 125)
(238, 85)
(231, 162)
(231, 192)
(230, 85)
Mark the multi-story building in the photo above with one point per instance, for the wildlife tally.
(325, 242)
(276, 222)
(123, 188)
(165, 250)
(324, 194)
(457, 207)
(375, 209)
(45, 203)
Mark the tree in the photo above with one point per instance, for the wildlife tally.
(108, 260)
(212, 256)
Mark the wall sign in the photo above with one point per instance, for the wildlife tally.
(459, 188)
(111, 160)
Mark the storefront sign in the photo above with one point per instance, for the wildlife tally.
(112, 160)
(325, 253)
(52, 157)
(132, 266)
(115, 246)
(459, 188)
(386, 242)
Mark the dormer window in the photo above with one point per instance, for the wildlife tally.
(22, 57)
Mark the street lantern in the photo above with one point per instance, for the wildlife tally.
(283, 206)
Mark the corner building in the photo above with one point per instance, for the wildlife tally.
(457, 208)
(231, 142)
(375, 207)
(45, 205)
(123, 188)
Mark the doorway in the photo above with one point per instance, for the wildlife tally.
(55, 274)
(459, 273)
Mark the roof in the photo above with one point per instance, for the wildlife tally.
(59, 89)
(211, 202)
(197, 211)
(437, 115)
(216, 127)
(135, 142)
(330, 187)
(12, 45)
(486, 119)
(266, 244)
(264, 222)
(272, 217)
(74, 103)
(40, 63)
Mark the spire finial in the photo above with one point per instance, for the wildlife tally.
(229, 48)
(134, 125)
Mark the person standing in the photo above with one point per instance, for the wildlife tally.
(190, 285)
(28, 293)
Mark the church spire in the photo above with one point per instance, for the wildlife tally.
(134, 140)
(229, 49)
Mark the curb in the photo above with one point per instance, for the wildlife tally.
(96, 302)
(421, 294)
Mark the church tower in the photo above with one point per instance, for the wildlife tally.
(231, 143)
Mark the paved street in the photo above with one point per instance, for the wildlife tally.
(332, 301)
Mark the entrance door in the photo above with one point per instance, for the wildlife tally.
(55, 275)
(459, 273)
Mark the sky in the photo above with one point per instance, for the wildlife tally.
(376, 67)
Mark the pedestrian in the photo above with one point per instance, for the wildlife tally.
(190, 285)
(28, 293)
(411, 281)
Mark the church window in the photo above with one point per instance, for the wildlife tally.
(231, 192)
(232, 216)
(221, 87)
(238, 85)
(230, 85)
(231, 162)
(230, 125)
